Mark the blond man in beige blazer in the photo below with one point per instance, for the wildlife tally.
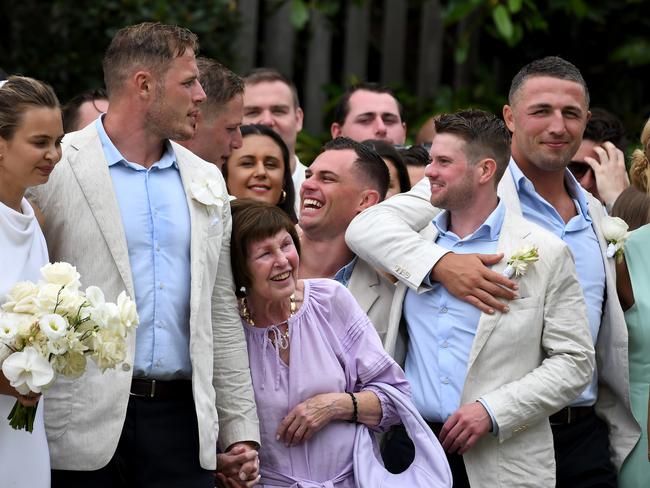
(102, 428)
(547, 103)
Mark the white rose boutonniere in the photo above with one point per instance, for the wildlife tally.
(615, 233)
(207, 191)
(519, 261)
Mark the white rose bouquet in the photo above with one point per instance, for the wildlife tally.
(615, 232)
(52, 328)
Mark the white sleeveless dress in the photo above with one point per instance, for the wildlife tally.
(24, 457)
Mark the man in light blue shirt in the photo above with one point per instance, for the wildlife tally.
(472, 373)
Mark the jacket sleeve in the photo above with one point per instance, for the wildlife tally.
(386, 235)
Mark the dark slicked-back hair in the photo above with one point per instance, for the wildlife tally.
(368, 164)
(485, 136)
(342, 108)
(605, 126)
(552, 66)
(416, 155)
(268, 75)
(18, 94)
(254, 221)
(219, 84)
(71, 109)
(148, 46)
(287, 204)
(388, 151)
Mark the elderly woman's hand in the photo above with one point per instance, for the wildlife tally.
(239, 467)
(312, 415)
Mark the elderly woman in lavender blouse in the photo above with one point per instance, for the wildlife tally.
(312, 353)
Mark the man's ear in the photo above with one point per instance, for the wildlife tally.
(300, 116)
(335, 130)
(487, 168)
(509, 118)
(144, 83)
(369, 198)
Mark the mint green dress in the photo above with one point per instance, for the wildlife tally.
(636, 469)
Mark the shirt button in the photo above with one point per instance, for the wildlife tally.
(161, 286)
(158, 247)
(460, 244)
(126, 367)
(445, 381)
(445, 344)
(443, 310)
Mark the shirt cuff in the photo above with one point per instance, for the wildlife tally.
(495, 426)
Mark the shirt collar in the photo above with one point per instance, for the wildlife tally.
(491, 228)
(576, 192)
(113, 155)
(344, 274)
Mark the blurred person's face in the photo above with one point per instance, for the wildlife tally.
(416, 173)
(581, 170)
(256, 170)
(372, 116)
(393, 181)
(89, 111)
(218, 135)
(271, 103)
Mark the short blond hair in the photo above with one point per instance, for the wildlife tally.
(640, 167)
(149, 46)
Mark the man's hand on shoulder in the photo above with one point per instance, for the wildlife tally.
(465, 427)
(467, 277)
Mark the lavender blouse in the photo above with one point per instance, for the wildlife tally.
(334, 348)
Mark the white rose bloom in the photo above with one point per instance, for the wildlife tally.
(53, 326)
(22, 298)
(207, 190)
(71, 302)
(62, 274)
(48, 295)
(614, 229)
(95, 296)
(107, 316)
(127, 310)
(109, 349)
(28, 371)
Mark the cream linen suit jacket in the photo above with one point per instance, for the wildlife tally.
(84, 417)
(526, 364)
(383, 235)
(373, 293)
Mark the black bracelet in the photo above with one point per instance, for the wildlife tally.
(353, 420)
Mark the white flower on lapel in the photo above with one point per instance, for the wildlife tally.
(615, 233)
(207, 190)
(519, 261)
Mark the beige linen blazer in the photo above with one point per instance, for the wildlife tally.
(383, 235)
(84, 417)
(373, 293)
(525, 364)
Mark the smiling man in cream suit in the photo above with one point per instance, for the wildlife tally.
(473, 374)
(547, 113)
(132, 210)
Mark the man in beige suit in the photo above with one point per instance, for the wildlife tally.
(547, 113)
(132, 210)
(346, 178)
(473, 374)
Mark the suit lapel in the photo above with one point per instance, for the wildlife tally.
(363, 285)
(511, 239)
(199, 220)
(91, 170)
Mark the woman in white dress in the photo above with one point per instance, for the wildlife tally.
(30, 146)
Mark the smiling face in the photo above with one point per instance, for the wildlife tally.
(372, 116)
(273, 267)
(452, 178)
(217, 135)
(271, 103)
(28, 158)
(547, 119)
(256, 170)
(175, 106)
(330, 196)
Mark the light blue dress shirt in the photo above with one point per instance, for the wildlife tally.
(156, 223)
(579, 234)
(344, 274)
(442, 328)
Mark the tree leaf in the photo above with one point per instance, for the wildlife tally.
(514, 6)
(299, 14)
(502, 21)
